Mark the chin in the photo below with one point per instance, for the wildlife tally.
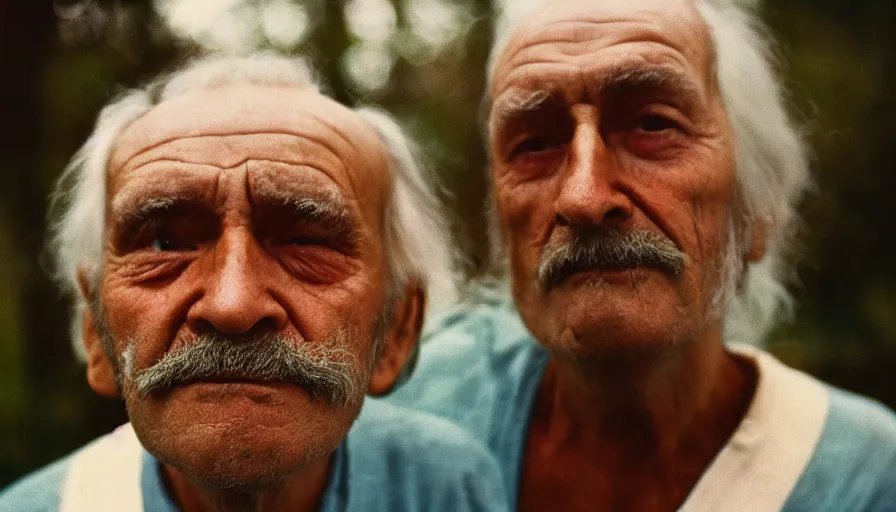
(238, 441)
(590, 341)
(244, 469)
(607, 320)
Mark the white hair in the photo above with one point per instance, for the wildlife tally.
(772, 165)
(416, 236)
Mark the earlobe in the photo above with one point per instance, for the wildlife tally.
(400, 340)
(100, 368)
(758, 241)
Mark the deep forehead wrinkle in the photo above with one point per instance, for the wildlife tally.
(519, 100)
(588, 33)
(224, 134)
(298, 164)
(245, 109)
(339, 133)
(562, 31)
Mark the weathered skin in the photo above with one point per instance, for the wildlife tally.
(229, 256)
(607, 115)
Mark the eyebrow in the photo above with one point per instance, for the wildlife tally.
(133, 212)
(517, 102)
(650, 77)
(326, 209)
(520, 101)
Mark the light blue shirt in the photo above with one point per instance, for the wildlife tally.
(480, 368)
(391, 460)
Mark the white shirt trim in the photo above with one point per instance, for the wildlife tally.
(105, 476)
(762, 462)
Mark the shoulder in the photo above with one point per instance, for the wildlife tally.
(858, 420)
(417, 438)
(38, 491)
(425, 460)
(854, 464)
(105, 470)
(488, 323)
(471, 358)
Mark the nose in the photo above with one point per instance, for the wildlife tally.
(236, 297)
(589, 193)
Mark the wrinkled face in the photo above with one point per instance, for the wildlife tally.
(234, 216)
(614, 173)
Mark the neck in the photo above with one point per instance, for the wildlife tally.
(668, 411)
(301, 491)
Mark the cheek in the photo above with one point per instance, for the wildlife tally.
(353, 305)
(711, 202)
(322, 314)
(149, 315)
(691, 200)
(526, 214)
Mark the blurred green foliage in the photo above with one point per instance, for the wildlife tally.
(64, 60)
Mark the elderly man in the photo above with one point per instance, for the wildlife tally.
(250, 258)
(645, 175)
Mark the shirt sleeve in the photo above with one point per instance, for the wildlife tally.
(37, 492)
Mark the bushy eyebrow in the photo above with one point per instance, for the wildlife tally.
(133, 212)
(325, 209)
(518, 101)
(651, 77)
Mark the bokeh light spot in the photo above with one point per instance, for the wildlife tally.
(368, 66)
(370, 20)
(284, 23)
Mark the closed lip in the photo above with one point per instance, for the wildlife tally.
(608, 274)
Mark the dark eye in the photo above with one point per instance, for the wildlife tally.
(307, 240)
(171, 235)
(655, 123)
(166, 243)
(532, 145)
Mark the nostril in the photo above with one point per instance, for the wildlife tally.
(561, 221)
(201, 326)
(615, 215)
(265, 326)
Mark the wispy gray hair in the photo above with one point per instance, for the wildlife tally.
(416, 234)
(772, 165)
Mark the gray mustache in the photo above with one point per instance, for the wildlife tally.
(324, 371)
(596, 249)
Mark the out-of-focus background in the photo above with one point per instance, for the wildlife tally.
(424, 61)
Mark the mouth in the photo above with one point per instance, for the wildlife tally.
(609, 274)
(224, 380)
(229, 380)
(264, 392)
(234, 383)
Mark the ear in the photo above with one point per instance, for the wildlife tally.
(400, 340)
(100, 368)
(758, 240)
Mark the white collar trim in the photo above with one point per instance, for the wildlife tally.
(105, 476)
(762, 462)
